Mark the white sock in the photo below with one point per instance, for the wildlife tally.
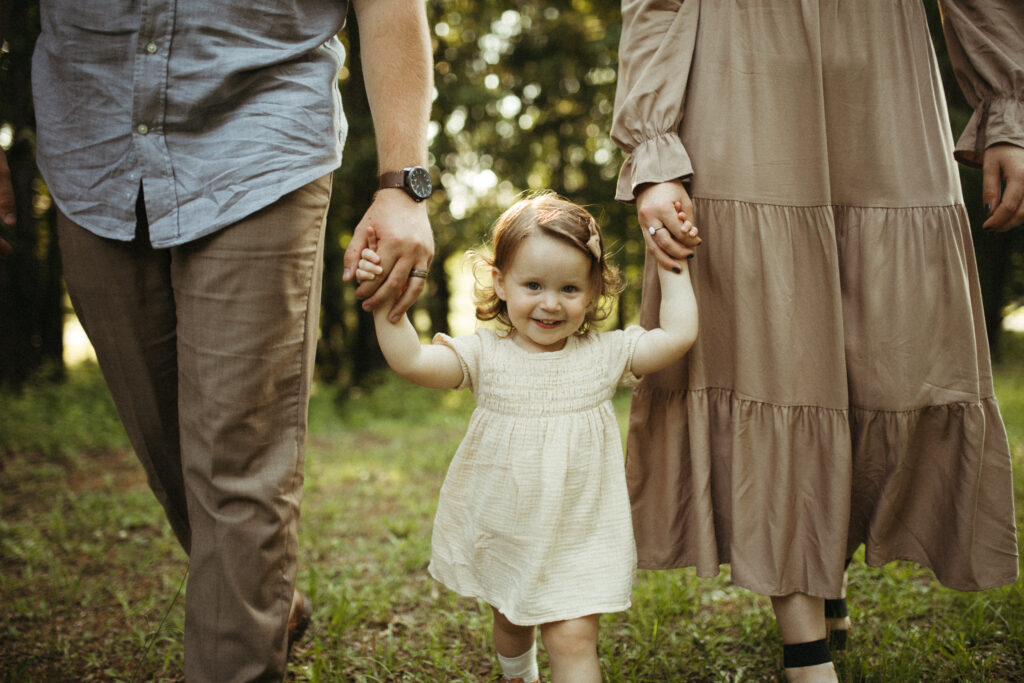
(524, 666)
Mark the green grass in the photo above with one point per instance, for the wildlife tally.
(90, 573)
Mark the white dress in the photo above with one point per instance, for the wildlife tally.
(534, 515)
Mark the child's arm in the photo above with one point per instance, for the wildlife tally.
(430, 365)
(661, 346)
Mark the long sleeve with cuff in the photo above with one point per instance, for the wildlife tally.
(658, 38)
(985, 40)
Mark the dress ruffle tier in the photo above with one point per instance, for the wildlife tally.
(852, 413)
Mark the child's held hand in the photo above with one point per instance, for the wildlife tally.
(688, 229)
(369, 266)
(665, 212)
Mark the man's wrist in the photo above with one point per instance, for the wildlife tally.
(413, 180)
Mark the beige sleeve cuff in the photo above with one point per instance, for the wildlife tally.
(1001, 120)
(653, 161)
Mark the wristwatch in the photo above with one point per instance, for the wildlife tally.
(415, 180)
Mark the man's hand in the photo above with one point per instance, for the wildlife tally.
(667, 205)
(1004, 163)
(404, 242)
(398, 73)
(7, 214)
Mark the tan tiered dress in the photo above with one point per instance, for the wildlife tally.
(840, 389)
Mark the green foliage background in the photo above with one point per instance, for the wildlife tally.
(524, 101)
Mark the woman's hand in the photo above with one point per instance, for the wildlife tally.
(1004, 163)
(666, 218)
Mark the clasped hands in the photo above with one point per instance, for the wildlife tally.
(667, 221)
(398, 230)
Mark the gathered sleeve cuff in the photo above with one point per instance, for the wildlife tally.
(1000, 120)
(985, 39)
(653, 160)
(655, 54)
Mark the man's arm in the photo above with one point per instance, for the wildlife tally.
(398, 71)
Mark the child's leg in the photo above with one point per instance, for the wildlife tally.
(516, 648)
(572, 649)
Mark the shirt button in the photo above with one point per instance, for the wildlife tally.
(142, 128)
(151, 47)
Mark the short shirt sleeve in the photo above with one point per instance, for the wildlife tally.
(467, 348)
(632, 335)
(618, 347)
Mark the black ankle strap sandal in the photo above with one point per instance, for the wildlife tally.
(806, 654)
(836, 609)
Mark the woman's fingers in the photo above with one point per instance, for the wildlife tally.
(665, 212)
(665, 248)
(1003, 186)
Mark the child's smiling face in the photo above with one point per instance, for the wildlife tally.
(546, 290)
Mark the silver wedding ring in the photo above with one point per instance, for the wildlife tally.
(653, 229)
(416, 272)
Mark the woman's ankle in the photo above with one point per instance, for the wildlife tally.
(837, 623)
(819, 673)
(809, 662)
(837, 618)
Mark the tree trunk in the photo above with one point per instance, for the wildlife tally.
(31, 290)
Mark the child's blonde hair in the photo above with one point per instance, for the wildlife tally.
(559, 218)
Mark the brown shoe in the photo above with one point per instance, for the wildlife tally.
(298, 618)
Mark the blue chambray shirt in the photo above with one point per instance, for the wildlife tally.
(219, 107)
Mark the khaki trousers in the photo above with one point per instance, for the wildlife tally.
(208, 351)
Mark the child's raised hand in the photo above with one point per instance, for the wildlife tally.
(369, 266)
(688, 228)
(665, 211)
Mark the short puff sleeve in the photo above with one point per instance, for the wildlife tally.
(467, 348)
(619, 347)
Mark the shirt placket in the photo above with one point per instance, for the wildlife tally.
(149, 106)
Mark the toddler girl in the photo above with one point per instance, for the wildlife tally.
(533, 515)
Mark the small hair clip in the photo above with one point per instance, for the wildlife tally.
(594, 242)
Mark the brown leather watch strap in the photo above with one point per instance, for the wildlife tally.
(392, 179)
